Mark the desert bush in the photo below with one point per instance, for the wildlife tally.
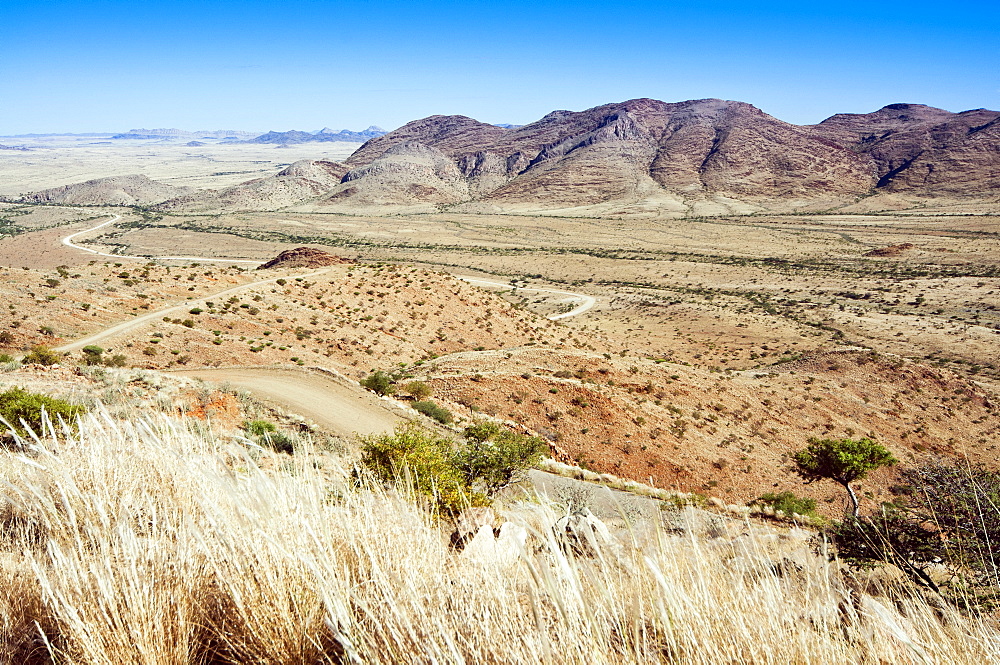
(6, 337)
(21, 409)
(433, 410)
(494, 456)
(269, 436)
(92, 355)
(419, 390)
(946, 515)
(424, 459)
(379, 383)
(42, 355)
(789, 503)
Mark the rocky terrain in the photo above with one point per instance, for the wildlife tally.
(639, 157)
(115, 190)
(664, 421)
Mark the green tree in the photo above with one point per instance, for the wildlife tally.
(92, 355)
(494, 456)
(843, 461)
(379, 383)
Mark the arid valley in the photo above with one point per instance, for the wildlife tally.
(671, 297)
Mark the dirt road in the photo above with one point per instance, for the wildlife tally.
(159, 314)
(586, 302)
(331, 405)
(68, 241)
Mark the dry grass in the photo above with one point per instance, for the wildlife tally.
(153, 542)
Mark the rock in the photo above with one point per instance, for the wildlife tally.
(469, 523)
(504, 548)
(582, 533)
(303, 257)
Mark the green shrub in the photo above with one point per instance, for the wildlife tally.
(433, 410)
(42, 355)
(259, 427)
(92, 355)
(789, 503)
(379, 383)
(419, 390)
(494, 456)
(268, 435)
(422, 457)
(18, 404)
(6, 358)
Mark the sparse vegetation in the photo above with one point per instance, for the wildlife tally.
(22, 409)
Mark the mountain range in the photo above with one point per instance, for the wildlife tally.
(645, 156)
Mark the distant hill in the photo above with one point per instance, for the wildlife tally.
(116, 190)
(325, 134)
(151, 134)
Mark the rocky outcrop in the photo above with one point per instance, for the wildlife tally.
(303, 257)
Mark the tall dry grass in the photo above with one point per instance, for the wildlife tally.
(154, 542)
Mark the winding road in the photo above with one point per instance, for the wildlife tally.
(587, 302)
(68, 241)
(338, 408)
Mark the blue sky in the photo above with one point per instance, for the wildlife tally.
(111, 66)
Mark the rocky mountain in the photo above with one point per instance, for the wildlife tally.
(115, 190)
(151, 134)
(302, 180)
(642, 156)
(923, 150)
(325, 134)
(641, 153)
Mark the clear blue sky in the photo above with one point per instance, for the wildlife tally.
(110, 65)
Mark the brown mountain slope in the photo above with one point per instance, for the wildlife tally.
(302, 180)
(859, 129)
(626, 152)
(115, 190)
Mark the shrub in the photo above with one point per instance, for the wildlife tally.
(949, 515)
(6, 337)
(379, 383)
(789, 503)
(6, 358)
(433, 410)
(17, 405)
(42, 355)
(259, 427)
(422, 457)
(92, 355)
(267, 434)
(419, 390)
(494, 456)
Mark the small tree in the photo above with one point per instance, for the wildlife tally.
(841, 460)
(494, 456)
(92, 355)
